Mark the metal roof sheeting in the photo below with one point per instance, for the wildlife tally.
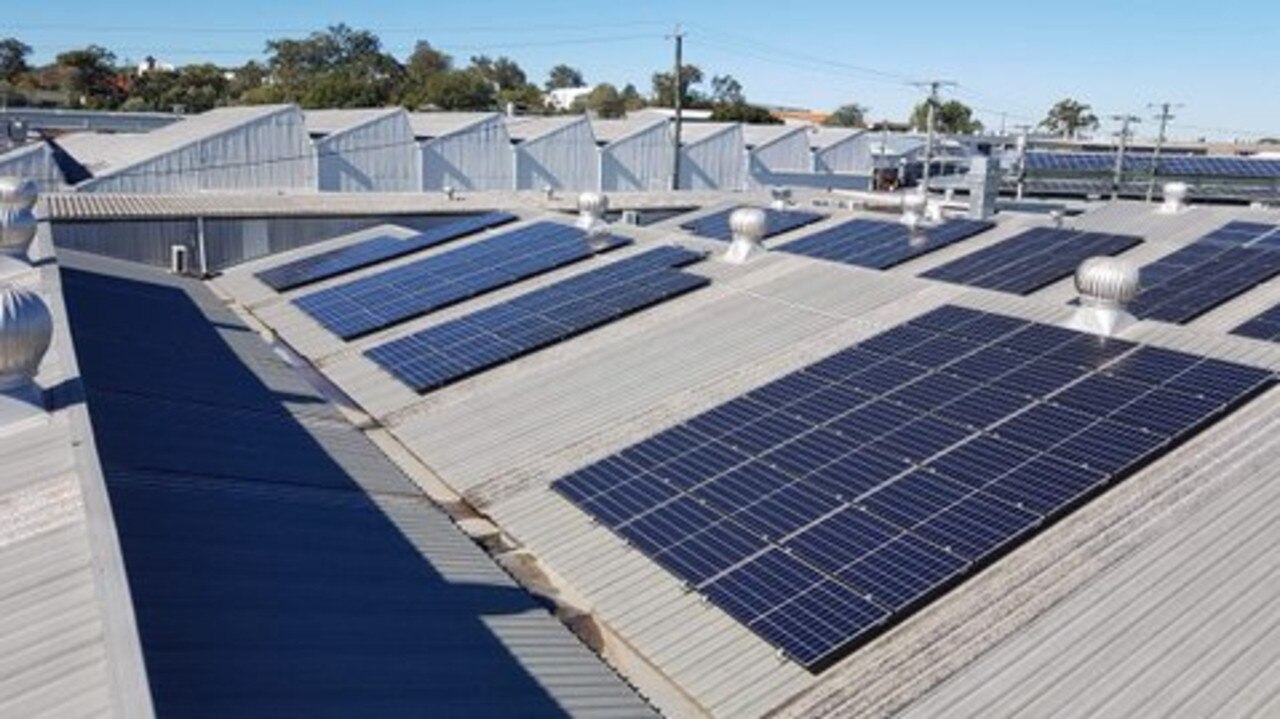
(365, 151)
(280, 563)
(502, 436)
(68, 640)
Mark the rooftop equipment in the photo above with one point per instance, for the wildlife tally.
(1106, 286)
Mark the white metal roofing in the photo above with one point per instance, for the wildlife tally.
(68, 638)
(753, 136)
(610, 131)
(500, 438)
(427, 125)
(327, 122)
(531, 127)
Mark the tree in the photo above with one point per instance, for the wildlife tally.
(526, 97)
(726, 91)
(423, 63)
(743, 112)
(631, 98)
(503, 72)
(605, 101)
(951, 117)
(851, 115)
(1069, 117)
(460, 90)
(88, 77)
(338, 67)
(562, 76)
(664, 94)
(13, 59)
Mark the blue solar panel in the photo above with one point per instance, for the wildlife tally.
(881, 245)
(418, 288)
(1031, 260)
(826, 505)
(459, 348)
(1265, 326)
(1215, 268)
(372, 251)
(716, 225)
(1168, 165)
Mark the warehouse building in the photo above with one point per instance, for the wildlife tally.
(463, 151)
(364, 150)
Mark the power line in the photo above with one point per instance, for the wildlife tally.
(1164, 117)
(1125, 121)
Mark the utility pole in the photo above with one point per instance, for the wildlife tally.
(1023, 132)
(1164, 117)
(1125, 121)
(932, 101)
(677, 82)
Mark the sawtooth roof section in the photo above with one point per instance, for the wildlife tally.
(329, 122)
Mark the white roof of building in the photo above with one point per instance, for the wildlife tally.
(530, 127)
(754, 136)
(501, 437)
(328, 122)
(607, 131)
(427, 125)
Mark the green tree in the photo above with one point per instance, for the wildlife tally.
(460, 90)
(664, 92)
(13, 59)
(744, 112)
(725, 90)
(526, 97)
(89, 77)
(605, 101)
(504, 72)
(851, 115)
(562, 76)
(337, 67)
(1068, 117)
(247, 77)
(951, 117)
(632, 100)
(424, 63)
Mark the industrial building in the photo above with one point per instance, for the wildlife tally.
(364, 150)
(806, 453)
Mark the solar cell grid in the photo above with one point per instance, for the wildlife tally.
(372, 251)
(1169, 165)
(1265, 326)
(716, 225)
(880, 245)
(1219, 266)
(453, 350)
(370, 303)
(826, 489)
(1033, 259)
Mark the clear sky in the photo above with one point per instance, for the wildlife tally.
(1220, 61)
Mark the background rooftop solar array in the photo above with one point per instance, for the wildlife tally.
(1215, 268)
(459, 348)
(418, 288)
(823, 506)
(716, 225)
(372, 251)
(1171, 165)
(879, 244)
(1265, 326)
(1033, 259)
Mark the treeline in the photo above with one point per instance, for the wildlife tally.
(342, 67)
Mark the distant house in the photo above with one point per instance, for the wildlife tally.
(563, 98)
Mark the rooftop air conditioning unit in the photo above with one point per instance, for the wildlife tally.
(179, 259)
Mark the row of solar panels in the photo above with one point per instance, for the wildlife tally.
(1176, 288)
(829, 504)
(1166, 165)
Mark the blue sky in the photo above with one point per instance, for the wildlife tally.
(1220, 62)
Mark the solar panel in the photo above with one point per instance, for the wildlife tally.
(459, 348)
(824, 506)
(370, 303)
(1215, 268)
(372, 251)
(1265, 326)
(716, 226)
(1024, 263)
(1168, 165)
(881, 245)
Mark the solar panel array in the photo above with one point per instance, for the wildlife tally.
(1215, 268)
(881, 245)
(716, 225)
(1170, 165)
(1265, 326)
(370, 252)
(1033, 259)
(370, 303)
(459, 348)
(821, 507)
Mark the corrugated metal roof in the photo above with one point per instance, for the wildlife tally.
(98, 151)
(327, 122)
(68, 641)
(607, 131)
(502, 436)
(280, 563)
(427, 125)
(754, 136)
(824, 137)
(531, 127)
(695, 132)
